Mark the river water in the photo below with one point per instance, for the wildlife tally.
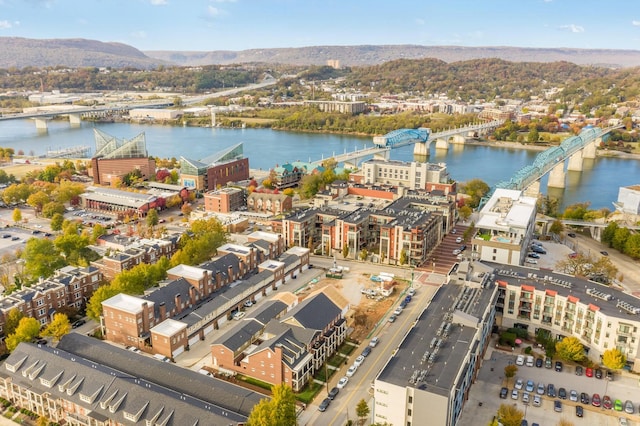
(265, 148)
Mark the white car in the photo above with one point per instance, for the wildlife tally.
(247, 304)
(530, 361)
(520, 360)
(515, 394)
(238, 315)
(531, 261)
(459, 240)
(352, 370)
(525, 398)
(358, 362)
(537, 401)
(398, 311)
(343, 382)
(374, 342)
(519, 384)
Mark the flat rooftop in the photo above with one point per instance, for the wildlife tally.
(432, 353)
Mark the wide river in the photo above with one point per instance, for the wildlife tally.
(598, 183)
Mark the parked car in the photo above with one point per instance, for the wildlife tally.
(333, 393)
(525, 398)
(573, 395)
(531, 261)
(595, 400)
(514, 394)
(352, 370)
(540, 389)
(623, 421)
(366, 351)
(247, 303)
(539, 362)
(358, 362)
(551, 390)
(604, 253)
(571, 234)
(558, 366)
(530, 361)
(579, 411)
(598, 373)
(579, 370)
(548, 363)
(519, 384)
(459, 240)
(537, 401)
(533, 255)
(520, 360)
(584, 398)
(628, 407)
(374, 342)
(78, 323)
(609, 375)
(398, 311)
(588, 372)
(617, 405)
(557, 406)
(504, 392)
(342, 382)
(324, 405)
(530, 386)
(392, 318)
(607, 402)
(562, 393)
(238, 315)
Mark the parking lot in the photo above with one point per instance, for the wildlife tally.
(484, 397)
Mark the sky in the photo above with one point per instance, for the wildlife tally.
(206, 25)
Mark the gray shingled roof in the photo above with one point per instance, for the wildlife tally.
(315, 312)
(234, 398)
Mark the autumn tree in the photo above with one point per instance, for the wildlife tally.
(94, 305)
(509, 415)
(58, 327)
(56, 222)
(570, 349)
(279, 410)
(345, 251)
(475, 189)
(152, 218)
(465, 212)
(28, 329)
(556, 228)
(37, 200)
(613, 359)
(510, 371)
(362, 411)
(17, 215)
(41, 258)
(12, 320)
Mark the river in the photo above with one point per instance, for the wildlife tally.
(598, 183)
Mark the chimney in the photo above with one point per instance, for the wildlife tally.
(163, 311)
(230, 272)
(178, 301)
(192, 295)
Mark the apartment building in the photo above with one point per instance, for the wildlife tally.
(225, 200)
(263, 202)
(430, 373)
(600, 316)
(409, 175)
(505, 226)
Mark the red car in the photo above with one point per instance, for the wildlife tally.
(588, 372)
(595, 401)
(606, 402)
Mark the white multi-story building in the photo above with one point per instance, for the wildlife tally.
(601, 317)
(505, 226)
(411, 175)
(628, 199)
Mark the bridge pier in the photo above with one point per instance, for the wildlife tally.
(556, 176)
(421, 148)
(384, 155)
(442, 144)
(589, 150)
(575, 162)
(458, 139)
(75, 120)
(533, 190)
(41, 123)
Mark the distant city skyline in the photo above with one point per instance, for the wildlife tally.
(205, 25)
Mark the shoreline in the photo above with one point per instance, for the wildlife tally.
(528, 147)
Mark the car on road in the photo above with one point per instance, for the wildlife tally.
(411, 291)
(333, 393)
(14, 238)
(557, 406)
(352, 370)
(606, 402)
(531, 261)
(604, 253)
(595, 400)
(533, 255)
(514, 394)
(504, 392)
(573, 395)
(617, 405)
(78, 323)
(456, 252)
(579, 411)
(540, 389)
(628, 407)
(537, 401)
(374, 342)
(558, 366)
(247, 303)
(562, 393)
(238, 315)
(342, 382)
(579, 371)
(588, 372)
(324, 405)
(539, 362)
(398, 311)
(520, 360)
(358, 362)
(530, 386)
(459, 240)
(392, 318)
(6, 236)
(584, 398)
(366, 351)
(571, 234)
(519, 384)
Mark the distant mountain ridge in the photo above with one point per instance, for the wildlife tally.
(24, 52)
(373, 55)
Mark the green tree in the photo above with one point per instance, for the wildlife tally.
(37, 200)
(51, 208)
(608, 233)
(201, 244)
(533, 135)
(613, 359)
(570, 349)
(56, 222)
(403, 257)
(27, 330)
(556, 227)
(41, 258)
(345, 251)
(362, 411)
(475, 189)
(632, 246)
(510, 371)
(465, 212)
(58, 327)
(12, 320)
(94, 305)
(17, 215)
(509, 415)
(620, 238)
(152, 218)
(363, 254)
(279, 410)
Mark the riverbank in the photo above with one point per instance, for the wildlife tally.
(531, 147)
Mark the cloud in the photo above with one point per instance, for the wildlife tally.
(573, 28)
(635, 23)
(5, 25)
(158, 2)
(139, 34)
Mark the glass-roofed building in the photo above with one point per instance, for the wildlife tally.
(214, 171)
